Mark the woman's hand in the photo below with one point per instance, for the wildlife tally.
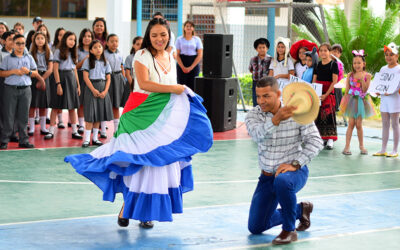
(177, 89)
(102, 95)
(59, 90)
(323, 97)
(79, 91)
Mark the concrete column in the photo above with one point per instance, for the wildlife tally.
(235, 21)
(271, 29)
(348, 8)
(119, 19)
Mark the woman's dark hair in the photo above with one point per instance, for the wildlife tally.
(29, 38)
(158, 14)
(105, 33)
(133, 42)
(261, 41)
(82, 35)
(35, 49)
(108, 38)
(56, 41)
(188, 22)
(92, 58)
(64, 50)
(47, 31)
(146, 44)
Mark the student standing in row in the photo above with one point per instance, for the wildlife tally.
(43, 57)
(65, 93)
(97, 103)
(118, 85)
(17, 68)
(189, 51)
(128, 66)
(85, 38)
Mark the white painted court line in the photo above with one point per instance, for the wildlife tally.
(205, 182)
(332, 236)
(199, 207)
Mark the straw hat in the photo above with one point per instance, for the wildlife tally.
(304, 97)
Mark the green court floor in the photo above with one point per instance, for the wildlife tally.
(36, 185)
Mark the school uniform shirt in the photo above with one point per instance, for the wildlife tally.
(390, 103)
(115, 59)
(41, 60)
(99, 71)
(188, 47)
(300, 69)
(279, 66)
(129, 61)
(66, 64)
(260, 67)
(3, 53)
(14, 62)
(81, 55)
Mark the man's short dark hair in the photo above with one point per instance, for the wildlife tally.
(337, 47)
(267, 81)
(261, 41)
(158, 14)
(18, 36)
(7, 34)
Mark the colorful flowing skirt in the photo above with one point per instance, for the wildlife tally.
(149, 158)
(355, 106)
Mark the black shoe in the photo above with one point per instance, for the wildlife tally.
(47, 120)
(76, 136)
(81, 130)
(104, 136)
(97, 143)
(305, 221)
(30, 133)
(146, 224)
(44, 132)
(122, 222)
(85, 144)
(26, 145)
(3, 145)
(14, 139)
(49, 136)
(37, 121)
(69, 125)
(60, 125)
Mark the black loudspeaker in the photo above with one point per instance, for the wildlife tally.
(217, 55)
(220, 100)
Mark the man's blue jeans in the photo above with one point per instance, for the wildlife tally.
(269, 192)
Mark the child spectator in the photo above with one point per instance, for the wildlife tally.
(97, 103)
(43, 57)
(390, 103)
(281, 66)
(356, 104)
(17, 68)
(259, 65)
(19, 28)
(326, 73)
(311, 62)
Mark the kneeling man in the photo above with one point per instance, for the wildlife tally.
(284, 149)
